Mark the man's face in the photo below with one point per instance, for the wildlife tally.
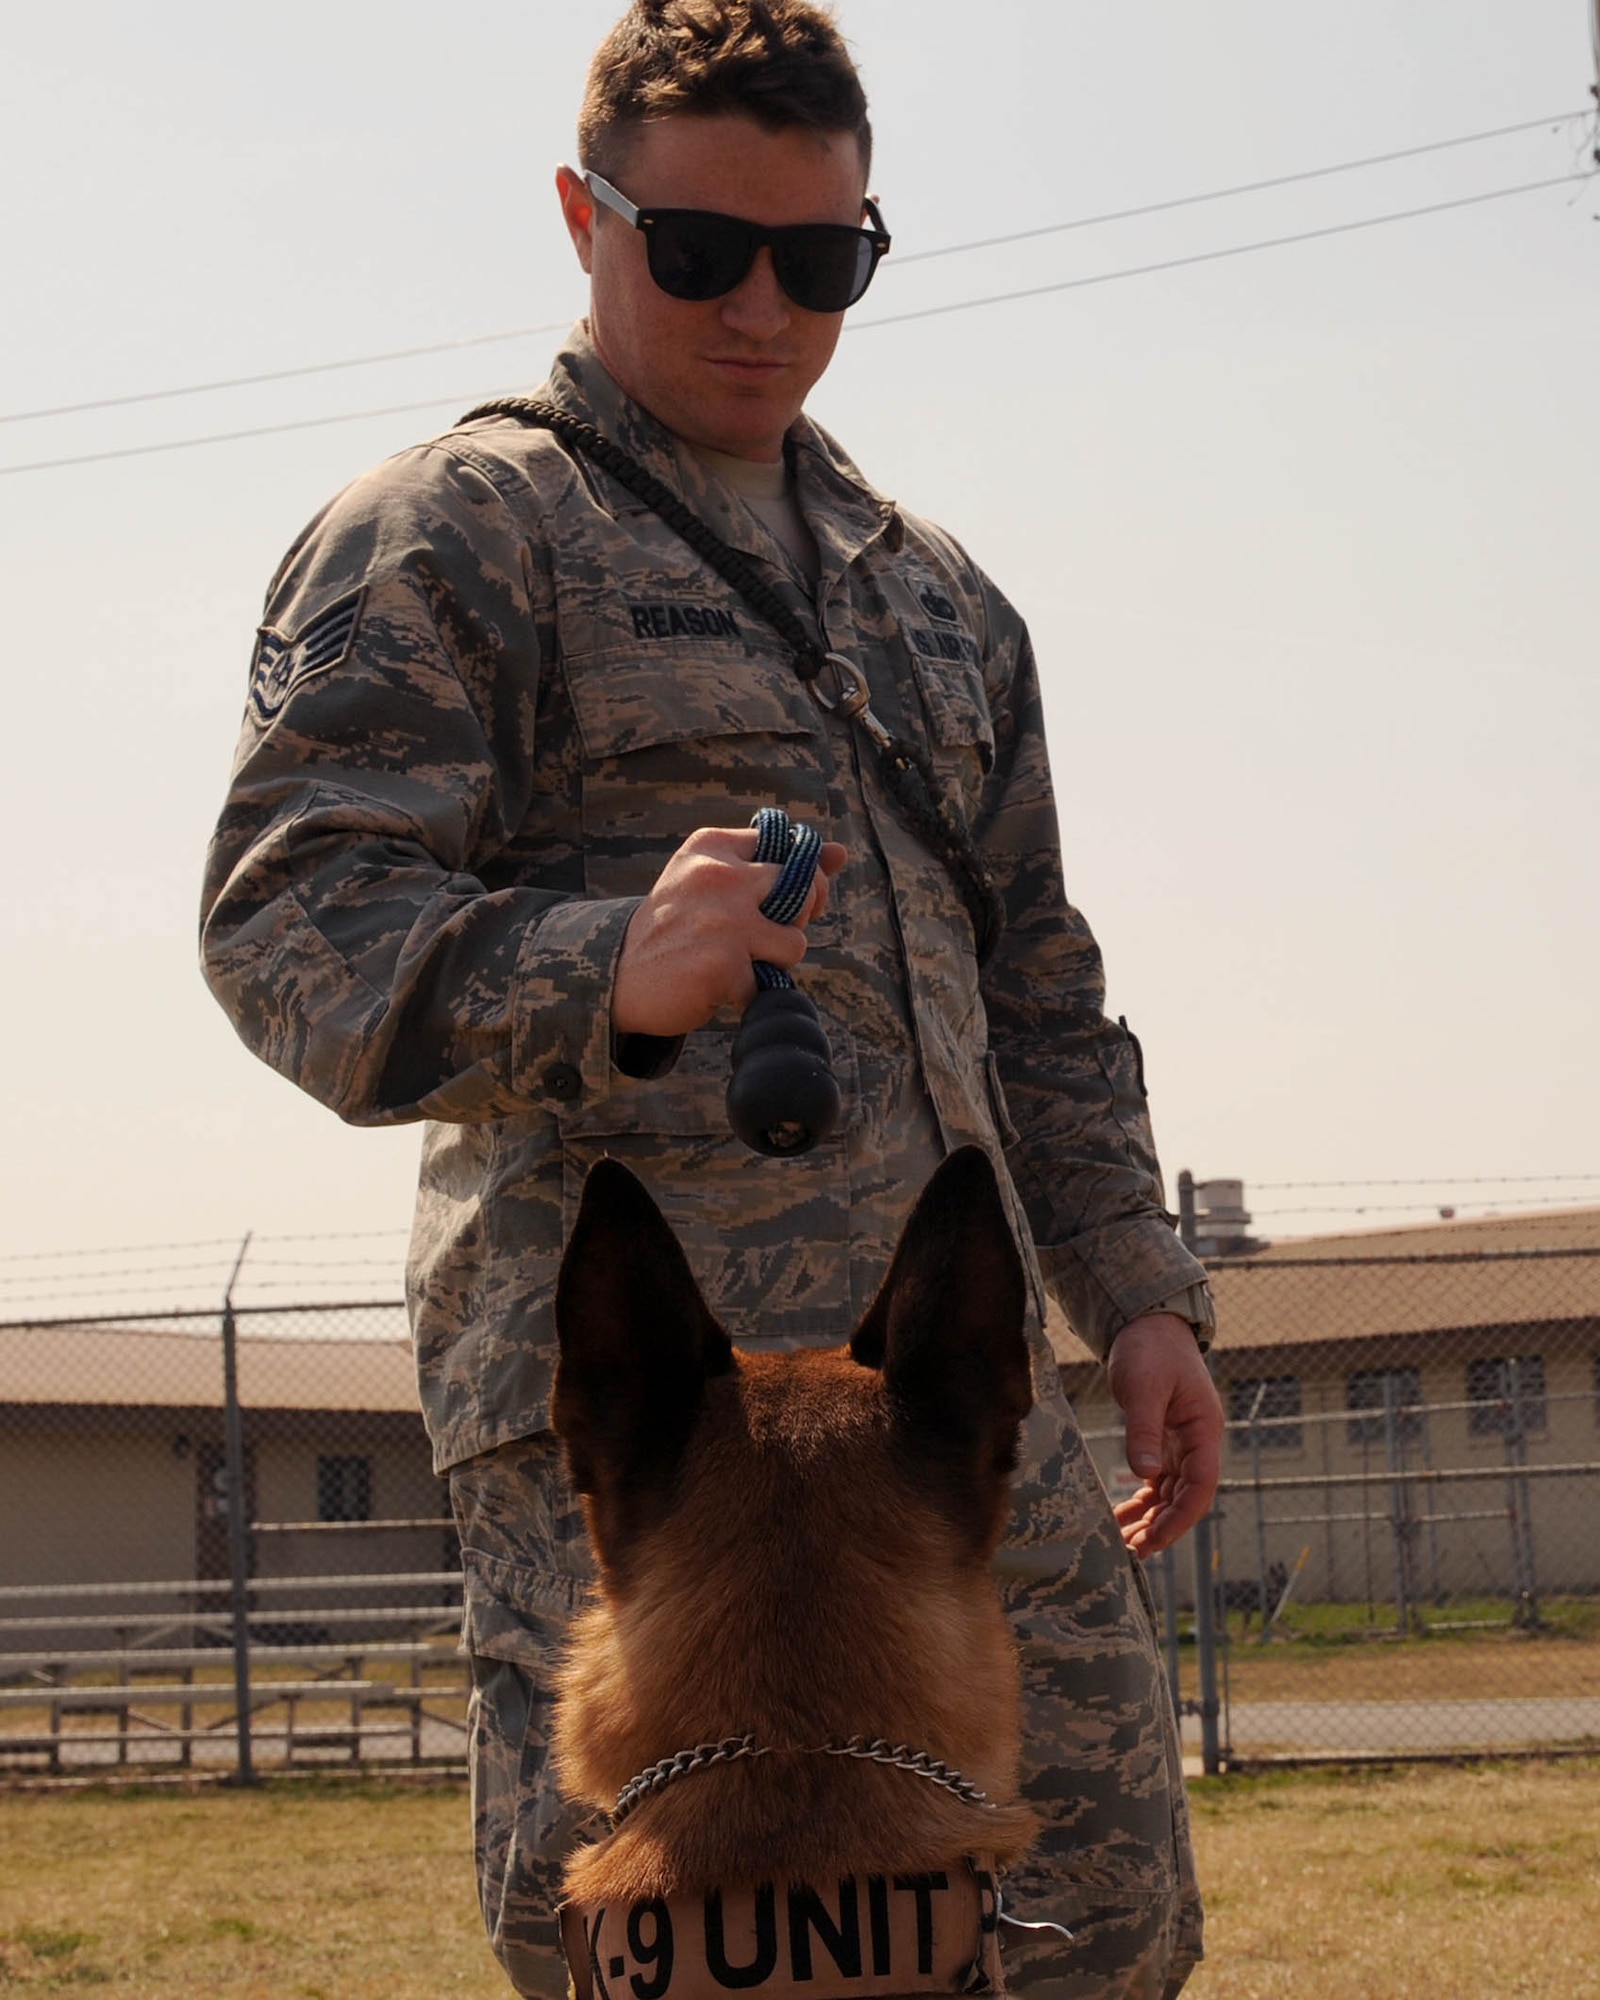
(730, 373)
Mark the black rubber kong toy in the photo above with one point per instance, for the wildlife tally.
(782, 1096)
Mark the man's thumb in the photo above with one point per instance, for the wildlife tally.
(1144, 1450)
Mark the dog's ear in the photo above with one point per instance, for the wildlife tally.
(638, 1343)
(946, 1328)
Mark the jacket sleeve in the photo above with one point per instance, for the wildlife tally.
(387, 756)
(1083, 1158)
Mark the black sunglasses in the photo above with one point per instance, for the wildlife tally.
(696, 254)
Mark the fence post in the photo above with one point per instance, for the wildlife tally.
(1525, 1581)
(238, 1527)
(1261, 1511)
(1399, 1504)
(1205, 1623)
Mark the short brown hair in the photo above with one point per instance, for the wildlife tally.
(780, 62)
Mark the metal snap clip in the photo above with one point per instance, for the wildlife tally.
(851, 697)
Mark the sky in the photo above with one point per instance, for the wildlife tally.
(1306, 538)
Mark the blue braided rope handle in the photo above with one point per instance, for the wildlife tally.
(797, 850)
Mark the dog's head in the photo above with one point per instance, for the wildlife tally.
(936, 1375)
(792, 1545)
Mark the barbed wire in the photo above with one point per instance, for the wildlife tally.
(206, 1243)
(204, 1319)
(136, 1293)
(1394, 1208)
(1435, 1180)
(85, 1265)
(150, 1273)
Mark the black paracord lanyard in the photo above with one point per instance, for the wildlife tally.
(906, 773)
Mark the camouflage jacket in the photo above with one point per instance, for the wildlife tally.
(492, 693)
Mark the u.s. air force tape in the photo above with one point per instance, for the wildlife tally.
(871, 1935)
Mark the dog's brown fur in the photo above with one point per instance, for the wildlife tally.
(795, 1546)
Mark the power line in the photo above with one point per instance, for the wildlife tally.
(913, 257)
(235, 437)
(1227, 193)
(859, 326)
(1214, 256)
(286, 374)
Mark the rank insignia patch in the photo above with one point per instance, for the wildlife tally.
(280, 664)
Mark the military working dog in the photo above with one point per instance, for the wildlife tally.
(795, 1691)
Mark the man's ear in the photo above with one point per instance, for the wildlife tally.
(638, 1344)
(946, 1328)
(577, 211)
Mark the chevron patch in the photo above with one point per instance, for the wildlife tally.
(281, 663)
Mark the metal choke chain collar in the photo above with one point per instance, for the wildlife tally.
(906, 773)
(869, 1749)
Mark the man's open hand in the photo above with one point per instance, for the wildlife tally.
(1173, 1429)
(690, 944)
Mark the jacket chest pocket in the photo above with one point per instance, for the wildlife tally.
(944, 664)
(675, 741)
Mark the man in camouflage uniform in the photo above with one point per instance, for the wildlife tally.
(485, 862)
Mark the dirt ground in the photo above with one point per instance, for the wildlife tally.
(1321, 1886)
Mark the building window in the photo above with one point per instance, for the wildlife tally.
(1507, 1396)
(344, 1489)
(1367, 1389)
(1259, 1407)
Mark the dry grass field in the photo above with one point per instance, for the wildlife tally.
(1487, 1670)
(1329, 1654)
(304, 1890)
(1480, 1883)
(1477, 1883)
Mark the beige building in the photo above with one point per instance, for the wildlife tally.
(111, 1458)
(1417, 1410)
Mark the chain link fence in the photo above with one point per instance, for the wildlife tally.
(222, 1545)
(1404, 1555)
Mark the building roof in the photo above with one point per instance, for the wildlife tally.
(168, 1368)
(1490, 1273)
(1543, 1229)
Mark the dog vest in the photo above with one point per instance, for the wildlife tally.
(872, 1935)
